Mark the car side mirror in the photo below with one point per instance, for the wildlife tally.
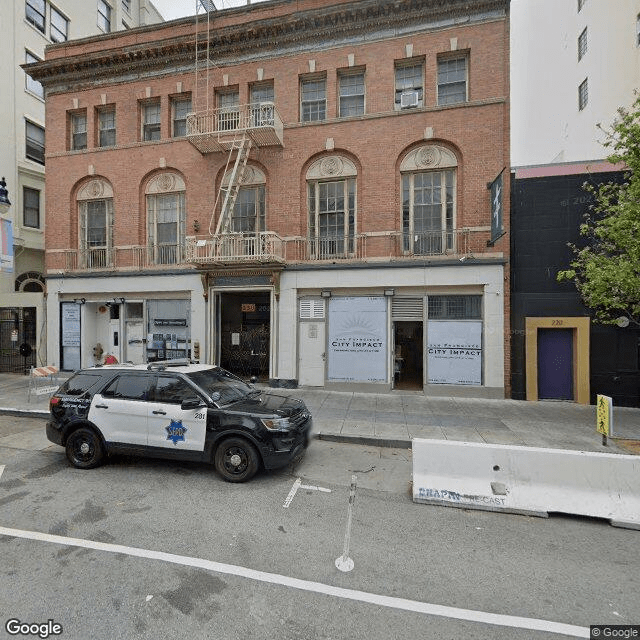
(191, 403)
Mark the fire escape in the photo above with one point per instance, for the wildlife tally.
(231, 130)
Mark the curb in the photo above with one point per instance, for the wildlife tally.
(366, 440)
(24, 413)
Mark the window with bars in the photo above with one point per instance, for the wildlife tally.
(151, 121)
(59, 28)
(583, 94)
(409, 81)
(96, 232)
(428, 212)
(452, 80)
(78, 128)
(332, 207)
(352, 93)
(313, 99)
(104, 16)
(582, 44)
(180, 108)
(454, 307)
(107, 127)
(34, 142)
(31, 207)
(33, 86)
(262, 97)
(166, 222)
(35, 12)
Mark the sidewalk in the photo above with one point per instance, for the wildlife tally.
(393, 419)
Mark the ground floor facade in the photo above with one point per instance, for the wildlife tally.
(437, 329)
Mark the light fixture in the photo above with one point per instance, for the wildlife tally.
(119, 300)
(79, 300)
(389, 292)
(325, 293)
(5, 203)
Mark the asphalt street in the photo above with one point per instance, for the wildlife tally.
(147, 549)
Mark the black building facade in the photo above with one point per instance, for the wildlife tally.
(557, 351)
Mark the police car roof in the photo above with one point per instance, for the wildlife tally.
(179, 366)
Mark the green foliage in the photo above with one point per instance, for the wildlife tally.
(607, 271)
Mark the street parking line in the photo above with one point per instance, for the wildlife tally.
(403, 604)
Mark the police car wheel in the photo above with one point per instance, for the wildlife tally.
(236, 460)
(84, 449)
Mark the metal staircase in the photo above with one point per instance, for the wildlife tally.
(204, 17)
(242, 148)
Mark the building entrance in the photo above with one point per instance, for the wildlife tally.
(244, 332)
(408, 355)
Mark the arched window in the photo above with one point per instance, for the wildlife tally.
(331, 197)
(166, 214)
(248, 215)
(95, 217)
(428, 176)
(30, 282)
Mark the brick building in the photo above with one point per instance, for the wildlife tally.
(311, 193)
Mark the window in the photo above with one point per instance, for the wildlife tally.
(80, 383)
(78, 126)
(455, 307)
(172, 390)
(151, 121)
(580, 4)
(228, 112)
(35, 13)
(428, 211)
(452, 80)
(59, 26)
(248, 210)
(332, 217)
(104, 16)
(34, 142)
(31, 207)
(96, 225)
(129, 387)
(126, 5)
(313, 99)
(107, 127)
(583, 94)
(180, 107)
(262, 98)
(582, 44)
(351, 87)
(33, 86)
(166, 218)
(409, 85)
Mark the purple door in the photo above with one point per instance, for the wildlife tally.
(555, 364)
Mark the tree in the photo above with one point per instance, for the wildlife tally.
(607, 270)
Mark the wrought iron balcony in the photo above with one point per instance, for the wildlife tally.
(263, 247)
(216, 130)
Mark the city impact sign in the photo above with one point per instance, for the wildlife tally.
(357, 339)
(454, 354)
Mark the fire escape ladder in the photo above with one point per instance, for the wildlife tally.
(243, 147)
(204, 19)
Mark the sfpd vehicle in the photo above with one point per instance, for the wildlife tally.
(179, 411)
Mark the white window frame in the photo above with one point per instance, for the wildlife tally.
(445, 83)
(408, 88)
(106, 129)
(31, 85)
(349, 92)
(55, 29)
(175, 102)
(95, 255)
(104, 16)
(35, 142)
(75, 132)
(37, 8)
(151, 121)
(313, 102)
(26, 208)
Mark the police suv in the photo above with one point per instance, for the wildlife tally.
(179, 411)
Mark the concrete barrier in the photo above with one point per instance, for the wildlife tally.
(527, 480)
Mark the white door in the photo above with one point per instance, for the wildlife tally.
(169, 426)
(135, 341)
(312, 354)
(120, 412)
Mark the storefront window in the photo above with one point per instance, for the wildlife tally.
(168, 329)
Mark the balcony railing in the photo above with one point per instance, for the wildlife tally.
(260, 247)
(268, 247)
(216, 130)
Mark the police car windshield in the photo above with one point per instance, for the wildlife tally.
(230, 388)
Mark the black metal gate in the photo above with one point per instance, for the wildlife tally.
(17, 327)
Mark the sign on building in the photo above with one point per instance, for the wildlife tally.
(357, 339)
(454, 354)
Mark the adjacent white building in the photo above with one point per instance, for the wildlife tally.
(573, 63)
(27, 27)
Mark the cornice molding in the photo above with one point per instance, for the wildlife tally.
(258, 39)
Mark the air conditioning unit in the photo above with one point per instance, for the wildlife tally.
(409, 99)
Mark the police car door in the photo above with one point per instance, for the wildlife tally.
(169, 426)
(120, 411)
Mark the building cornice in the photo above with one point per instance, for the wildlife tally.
(254, 40)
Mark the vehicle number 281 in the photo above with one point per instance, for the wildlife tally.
(200, 416)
